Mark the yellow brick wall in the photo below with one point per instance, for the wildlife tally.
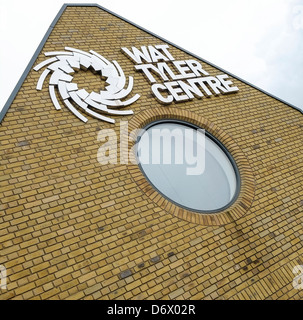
(73, 229)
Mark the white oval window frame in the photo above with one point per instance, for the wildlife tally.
(217, 142)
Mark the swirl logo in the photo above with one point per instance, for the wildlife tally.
(62, 64)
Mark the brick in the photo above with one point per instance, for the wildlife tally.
(50, 199)
(93, 289)
(210, 289)
(125, 274)
(176, 293)
(87, 276)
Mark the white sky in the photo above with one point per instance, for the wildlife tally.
(260, 41)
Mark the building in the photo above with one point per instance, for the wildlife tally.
(74, 228)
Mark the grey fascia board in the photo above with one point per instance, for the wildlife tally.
(38, 50)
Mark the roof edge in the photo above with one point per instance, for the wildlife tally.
(30, 64)
(54, 22)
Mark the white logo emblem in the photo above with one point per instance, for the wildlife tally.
(62, 64)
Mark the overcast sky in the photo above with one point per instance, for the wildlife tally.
(260, 41)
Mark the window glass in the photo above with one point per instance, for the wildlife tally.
(187, 166)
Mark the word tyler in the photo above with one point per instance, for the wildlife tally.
(190, 80)
(135, 311)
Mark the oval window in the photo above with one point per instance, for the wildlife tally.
(188, 166)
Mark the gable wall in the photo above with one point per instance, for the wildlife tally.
(71, 228)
